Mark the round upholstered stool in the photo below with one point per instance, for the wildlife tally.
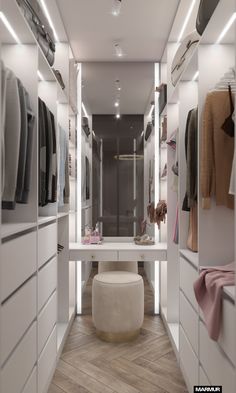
(128, 266)
(117, 305)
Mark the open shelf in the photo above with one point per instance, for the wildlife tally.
(44, 220)
(11, 229)
(62, 214)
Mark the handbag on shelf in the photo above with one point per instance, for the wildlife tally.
(85, 125)
(148, 131)
(162, 90)
(183, 55)
(205, 11)
(40, 27)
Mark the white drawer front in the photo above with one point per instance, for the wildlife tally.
(47, 282)
(17, 314)
(47, 238)
(47, 361)
(31, 386)
(18, 262)
(96, 255)
(189, 321)
(46, 321)
(18, 368)
(188, 275)
(227, 336)
(188, 360)
(203, 380)
(218, 368)
(145, 256)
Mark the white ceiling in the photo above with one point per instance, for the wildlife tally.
(99, 90)
(141, 29)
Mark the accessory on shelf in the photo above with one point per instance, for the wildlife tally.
(59, 78)
(162, 90)
(164, 172)
(144, 240)
(205, 11)
(160, 212)
(40, 27)
(183, 55)
(228, 125)
(164, 130)
(85, 125)
(172, 140)
(148, 131)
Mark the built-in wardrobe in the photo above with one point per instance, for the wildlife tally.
(38, 294)
(202, 360)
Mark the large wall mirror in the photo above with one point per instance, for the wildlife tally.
(117, 124)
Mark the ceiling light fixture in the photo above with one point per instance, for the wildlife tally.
(226, 28)
(195, 76)
(116, 7)
(46, 12)
(118, 116)
(9, 27)
(116, 104)
(186, 20)
(118, 50)
(151, 110)
(84, 110)
(40, 76)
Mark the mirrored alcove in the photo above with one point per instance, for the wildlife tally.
(117, 105)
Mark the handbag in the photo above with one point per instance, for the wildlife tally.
(85, 125)
(40, 27)
(162, 90)
(183, 55)
(148, 131)
(205, 11)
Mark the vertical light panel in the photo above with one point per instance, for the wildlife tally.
(78, 220)
(157, 187)
(135, 185)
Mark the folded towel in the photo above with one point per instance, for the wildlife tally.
(208, 292)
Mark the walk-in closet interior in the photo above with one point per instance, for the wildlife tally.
(117, 220)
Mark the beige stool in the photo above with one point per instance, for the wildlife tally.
(118, 266)
(117, 305)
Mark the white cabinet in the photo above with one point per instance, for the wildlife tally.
(47, 243)
(47, 282)
(188, 360)
(47, 361)
(189, 321)
(188, 275)
(31, 385)
(46, 321)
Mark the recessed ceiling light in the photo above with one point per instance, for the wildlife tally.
(118, 116)
(40, 75)
(226, 28)
(116, 104)
(116, 7)
(46, 12)
(186, 20)
(9, 27)
(195, 76)
(119, 88)
(118, 50)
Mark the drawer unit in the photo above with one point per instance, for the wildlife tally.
(203, 380)
(47, 361)
(47, 243)
(31, 385)
(188, 360)
(96, 255)
(188, 275)
(18, 262)
(46, 321)
(218, 368)
(21, 363)
(18, 312)
(47, 282)
(189, 321)
(145, 256)
(227, 336)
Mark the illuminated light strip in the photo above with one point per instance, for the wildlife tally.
(40, 76)
(9, 27)
(46, 12)
(195, 76)
(151, 110)
(84, 110)
(186, 20)
(226, 28)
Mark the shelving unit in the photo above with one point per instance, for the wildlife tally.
(36, 282)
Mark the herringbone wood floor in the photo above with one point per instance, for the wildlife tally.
(147, 365)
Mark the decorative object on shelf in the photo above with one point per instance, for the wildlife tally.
(162, 90)
(148, 131)
(164, 130)
(205, 11)
(183, 55)
(144, 240)
(85, 125)
(92, 236)
(172, 140)
(59, 78)
(164, 172)
(151, 212)
(160, 212)
(40, 27)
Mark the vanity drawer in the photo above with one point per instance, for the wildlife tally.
(97, 255)
(189, 321)
(31, 386)
(23, 308)
(18, 262)
(47, 361)
(203, 380)
(19, 366)
(47, 282)
(47, 243)
(188, 360)
(188, 275)
(145, 256)
(227, 335)
(46, 321)
(218, 368)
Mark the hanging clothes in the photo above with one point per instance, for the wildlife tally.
(217, 150)
(64, 185)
